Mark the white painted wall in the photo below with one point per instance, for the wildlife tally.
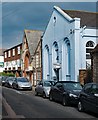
(1, 60)
(59, 30)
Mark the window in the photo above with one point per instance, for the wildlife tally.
(37, 61)
(13, 52)
(95, 89)
(87, 88)
(90, 44)
(18, 50)
(5, 54)
(89, 48)
(9, 53)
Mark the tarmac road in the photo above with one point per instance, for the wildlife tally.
(24, 104)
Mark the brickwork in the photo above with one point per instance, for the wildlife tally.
(14, 56)
(95, 64)
(82, 76)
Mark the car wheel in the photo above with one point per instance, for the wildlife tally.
(64, 101)
(36, 93)
(44, 95)
(80, 106)
(50, 97)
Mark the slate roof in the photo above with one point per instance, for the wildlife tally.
(87, 18)
(33, 37)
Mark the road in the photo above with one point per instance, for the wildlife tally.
(24, 104)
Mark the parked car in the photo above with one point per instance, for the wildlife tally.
(3, 80)
(65, 92)
(22, 83)
(88, 98)
(43, 88)
(9, 81)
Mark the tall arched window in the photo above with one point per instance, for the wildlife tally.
(89, 47)
(46, 63)
(66, 59)
(55, 61)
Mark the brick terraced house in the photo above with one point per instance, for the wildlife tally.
(12, 60)
(31, 55)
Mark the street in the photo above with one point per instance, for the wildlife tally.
(24, 104)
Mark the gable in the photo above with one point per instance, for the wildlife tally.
(33, 38)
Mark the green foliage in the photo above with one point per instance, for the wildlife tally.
(7, 74)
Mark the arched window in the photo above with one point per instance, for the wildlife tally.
(89, 47)
(46, 63)
(66, 61)
(55, 52)
(90, 44)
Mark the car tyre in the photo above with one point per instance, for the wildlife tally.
(80, 106)
(64, 101)
(44, 95)
(50, 97)
(36, 93)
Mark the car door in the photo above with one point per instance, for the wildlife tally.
(58, 91)
(95, 98)
(40, 87)
(85, 95)
(15, 85)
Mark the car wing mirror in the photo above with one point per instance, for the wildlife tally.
(96, 95)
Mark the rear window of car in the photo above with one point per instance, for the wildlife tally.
(22, 79)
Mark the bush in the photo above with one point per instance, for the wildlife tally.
(7, 74)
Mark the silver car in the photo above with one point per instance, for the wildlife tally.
(22, 83)
(43, 88)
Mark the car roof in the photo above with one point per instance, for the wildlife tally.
(67, 82)
(92, 83)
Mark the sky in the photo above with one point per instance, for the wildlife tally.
(18, 16)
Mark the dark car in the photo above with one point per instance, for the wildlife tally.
(3, 80)
(22, 83)
(9, 81)
(88, 98)
(43, 88)
(66, 92)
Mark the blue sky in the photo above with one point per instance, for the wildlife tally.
(17, 16)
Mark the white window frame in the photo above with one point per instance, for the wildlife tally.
(13, 52)
(9, 53)
(5, 54)
(18, 49)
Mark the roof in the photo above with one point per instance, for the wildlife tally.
(13, 47)
(1, 51)
(33, 37)
(68, 81)
(88, 19)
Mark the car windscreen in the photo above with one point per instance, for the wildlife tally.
(47, 84)
(22, 80)
(72, 86)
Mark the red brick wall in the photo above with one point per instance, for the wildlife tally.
(16, 56)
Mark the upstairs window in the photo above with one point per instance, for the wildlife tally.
(13, 52)
(9, 53)
(18, 49)
(5, 54)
